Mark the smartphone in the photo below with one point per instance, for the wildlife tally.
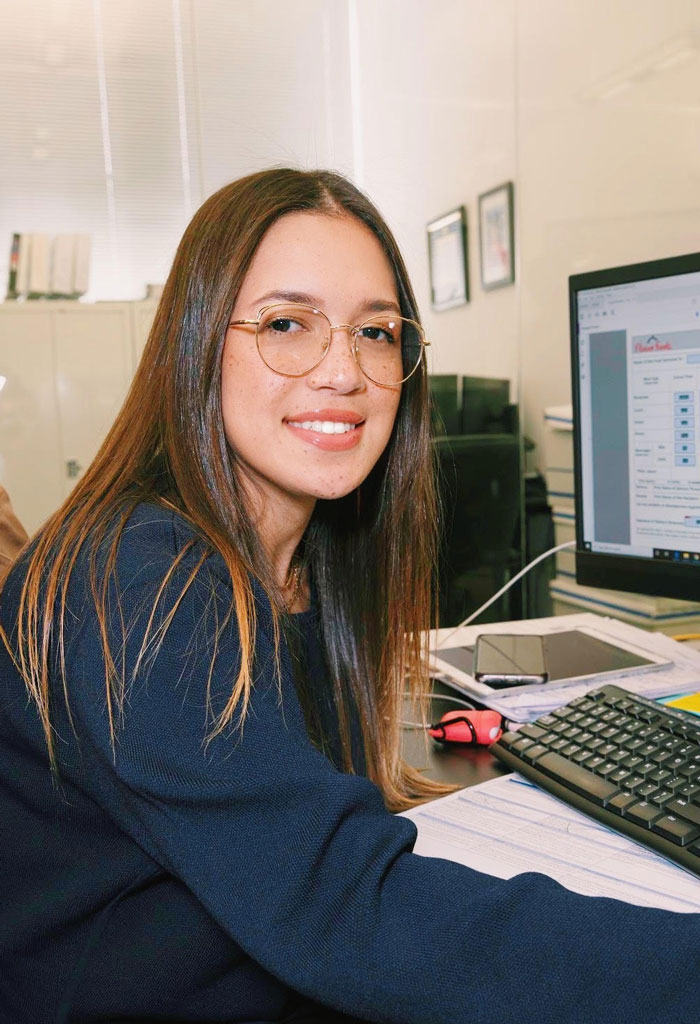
(506, 659)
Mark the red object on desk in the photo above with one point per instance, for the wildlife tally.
(475, 727)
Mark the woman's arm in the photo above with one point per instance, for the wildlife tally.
(303, 867)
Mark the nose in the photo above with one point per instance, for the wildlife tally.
(339, 369)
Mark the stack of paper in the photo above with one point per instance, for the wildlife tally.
(507, 826)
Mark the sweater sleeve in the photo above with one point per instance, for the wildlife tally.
(302, 865)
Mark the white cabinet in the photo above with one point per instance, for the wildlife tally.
(142, 314)
(93, 371)
(66, 368)
(30, 446)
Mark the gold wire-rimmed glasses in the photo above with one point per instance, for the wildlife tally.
(293, 338)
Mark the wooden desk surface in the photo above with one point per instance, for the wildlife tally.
(449, 762)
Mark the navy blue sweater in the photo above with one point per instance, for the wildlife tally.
(180, 880)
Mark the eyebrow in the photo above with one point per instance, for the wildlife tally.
(371, 306)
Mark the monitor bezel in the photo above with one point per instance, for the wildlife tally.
(655, 578)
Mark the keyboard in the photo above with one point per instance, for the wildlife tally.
(626, 761)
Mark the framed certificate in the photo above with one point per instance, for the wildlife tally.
(496, 237)
(447, 254)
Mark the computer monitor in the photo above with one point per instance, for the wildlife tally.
(635, 335)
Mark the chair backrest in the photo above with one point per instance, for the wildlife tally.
(480, 486)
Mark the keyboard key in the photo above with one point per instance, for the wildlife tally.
(675, 745)
(532, 753)
(634, 780)
(587, 721)
(620, 802)
(522, 744)
(647, 749)
(532, 731)
(509, 738)
(685, 749)
(618, 755)
(577, 777)
(593, 762)
(643, 813)
(633, 745)
(688, 792)
(678, 831)
(685, 809)
(559, 743)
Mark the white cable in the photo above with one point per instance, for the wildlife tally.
(514, 579)
(437, 696)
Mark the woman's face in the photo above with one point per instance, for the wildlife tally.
(335, 264)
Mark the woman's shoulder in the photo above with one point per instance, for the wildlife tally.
(161, 528)
(148, 542)
(156, 539)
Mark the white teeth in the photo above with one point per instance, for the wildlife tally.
(324, 426)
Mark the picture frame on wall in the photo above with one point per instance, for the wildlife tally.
(497, 237)
(447, 256)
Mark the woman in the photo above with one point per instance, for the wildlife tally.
(215, 632)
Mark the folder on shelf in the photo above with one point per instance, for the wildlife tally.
(39, 265)
(81, 264)
(62, 265)
(14, 260)
(23, 264)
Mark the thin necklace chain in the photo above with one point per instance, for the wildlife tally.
(293, 580)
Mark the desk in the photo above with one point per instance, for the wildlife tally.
(468, 766)
(453, 763)
(507, 826)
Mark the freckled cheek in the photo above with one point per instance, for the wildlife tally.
(249, 388)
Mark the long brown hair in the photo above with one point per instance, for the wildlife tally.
(371, 553)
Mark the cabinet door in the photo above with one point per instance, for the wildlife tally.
(93, 373)
(143, 314)
(30, 450)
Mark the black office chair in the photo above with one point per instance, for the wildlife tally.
(480, 487)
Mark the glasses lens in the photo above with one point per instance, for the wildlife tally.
(292, 338)
(389, 348)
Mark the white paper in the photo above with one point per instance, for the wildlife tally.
(525, 705)
(507, 826)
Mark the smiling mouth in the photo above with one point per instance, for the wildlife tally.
(323, 426)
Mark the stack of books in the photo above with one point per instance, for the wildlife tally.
(42, 266)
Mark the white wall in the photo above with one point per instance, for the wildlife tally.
(120, 116)
(439, 128)
(608, 158)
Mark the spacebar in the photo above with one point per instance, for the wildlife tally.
(575, 777)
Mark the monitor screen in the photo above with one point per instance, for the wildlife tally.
(635, 335)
